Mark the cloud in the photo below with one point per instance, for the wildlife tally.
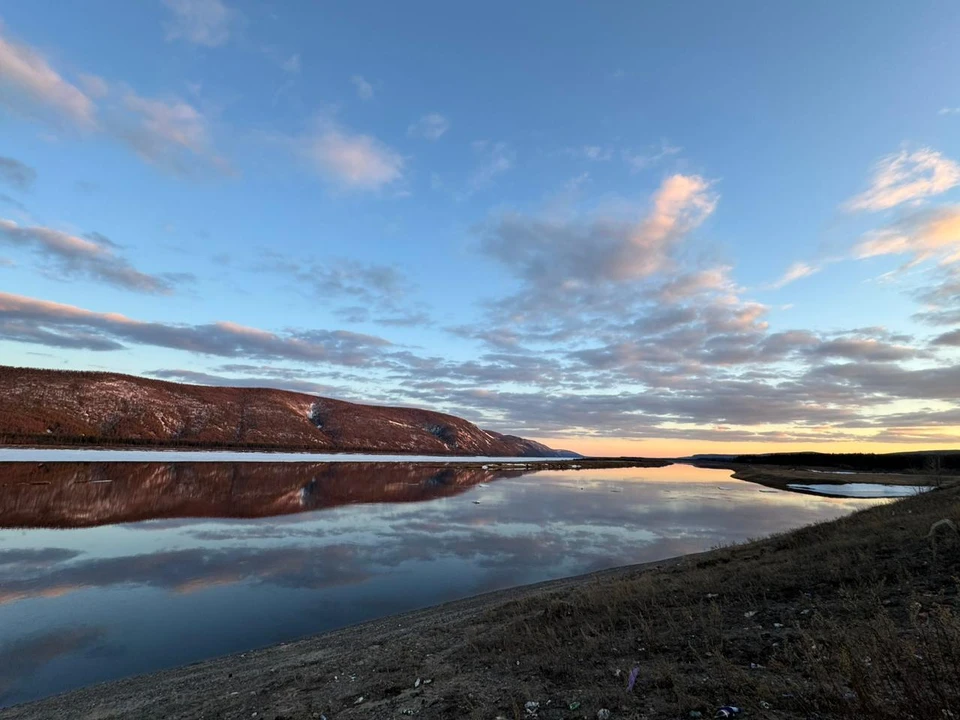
(351, 160)
(941, 300)
(949, 111)
(593, 153)
(363, 88)
(951, 338)
(495, 159)
(927, 234)
(200, 22)
(431, 126)
(378, 292)
(30, 86)
(12, 202)
(94, 85)
(171, 133)
(866, 349)
(893, 381)
(17, 175)
(906, 177)
(291, 64)
(560, 256)
(48, 323)
(93, 257)
(641, 161)
(795, 272)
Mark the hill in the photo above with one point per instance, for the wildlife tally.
(66, 408)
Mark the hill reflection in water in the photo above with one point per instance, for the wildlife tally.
(73, 495)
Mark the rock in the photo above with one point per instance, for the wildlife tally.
(417, 683)
(532, 707)
(603, 714)
(750, 613)
(727, 711)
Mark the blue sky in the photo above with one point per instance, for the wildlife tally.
(630, 225)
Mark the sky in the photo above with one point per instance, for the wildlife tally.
(623, 228)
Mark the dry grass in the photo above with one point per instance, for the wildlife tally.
(857, 618)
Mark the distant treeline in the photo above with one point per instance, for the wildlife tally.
(948, 461)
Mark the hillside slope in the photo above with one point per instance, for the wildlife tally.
(56, 407)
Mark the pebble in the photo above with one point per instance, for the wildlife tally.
(603, 714)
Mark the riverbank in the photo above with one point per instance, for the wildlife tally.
(853, 618)
(782, 478)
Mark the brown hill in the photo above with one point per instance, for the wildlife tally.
(57, 407)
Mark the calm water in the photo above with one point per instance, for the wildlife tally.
(110, 569)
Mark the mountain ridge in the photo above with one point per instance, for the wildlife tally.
(90, 408)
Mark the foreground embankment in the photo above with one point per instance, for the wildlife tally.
(855, 618)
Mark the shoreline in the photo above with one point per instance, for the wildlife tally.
(724, 626)
(17, 454)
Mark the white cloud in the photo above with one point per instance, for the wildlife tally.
(681, 204)
(925, 235)
(364, 89)
(795, 272)
(175, 122)
(170, 133)
(162, 132)
(431, 126)
(200, 22)
(28, 85)
(579, 257)
(352, 160)
(907, 177)
(949, 111)
(497, 158)
(94, 257)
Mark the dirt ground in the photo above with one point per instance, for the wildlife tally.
(856, 618)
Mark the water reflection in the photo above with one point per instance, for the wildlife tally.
(78, 494)
(238, 556)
